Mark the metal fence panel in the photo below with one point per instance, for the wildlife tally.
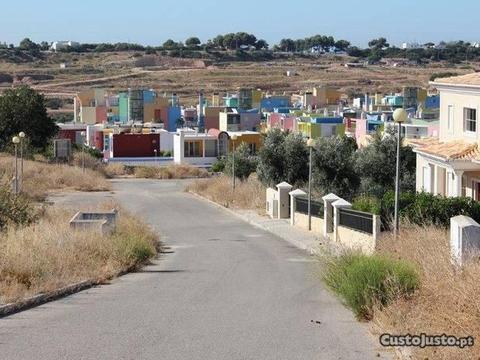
(302, 207)
(356, 220)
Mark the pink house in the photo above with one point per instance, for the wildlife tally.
(282, 121)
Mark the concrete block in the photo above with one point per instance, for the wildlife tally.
(103, 222)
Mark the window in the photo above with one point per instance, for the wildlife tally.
(450, 117)
(192, 149)
(470, 116)
(253, 148)
(106, 142)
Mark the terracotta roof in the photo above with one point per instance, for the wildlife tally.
(417, 143)
(472, 79)
(451, 150)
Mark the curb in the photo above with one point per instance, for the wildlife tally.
(37, 300)
(311, 250)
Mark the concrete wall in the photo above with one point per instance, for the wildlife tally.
(355, 240)
(301, 220)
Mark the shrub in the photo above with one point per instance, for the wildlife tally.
(427, 209)
(365, 282)
(14, 210)
(218, 166)
(368, 204)
(245, 164)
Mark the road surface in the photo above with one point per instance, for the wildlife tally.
(225, 291)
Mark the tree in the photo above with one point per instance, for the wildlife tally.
(283, 157)
(296, 159)
(245, 163)
(333, 166)
(23, 109)
(170, 45)
(192, 42)
(218, 41)
(27, 44)
(378, 44)
(376, 165)
(261, 45)
(287, 45)
(271, 159)
(342, 45)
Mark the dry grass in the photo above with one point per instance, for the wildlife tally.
(249, 194)
(49, 255)
(41, 178)
(156, 172)
(448, 300)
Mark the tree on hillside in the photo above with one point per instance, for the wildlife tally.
(23, 109)
(170, 45)
(378, 44)
(193, 42)
(287, 45)
(342, 45)
(27, 44)
(334, 166)
(261, 45)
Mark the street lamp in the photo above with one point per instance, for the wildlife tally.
(82, 134)
(400, 116)
(16, 141)
(21, 135)
(234, 138)
(310, 144)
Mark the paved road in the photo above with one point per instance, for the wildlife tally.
(226, 291)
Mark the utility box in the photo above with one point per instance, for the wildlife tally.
(284, 200)
(272, 203)
(464, 238)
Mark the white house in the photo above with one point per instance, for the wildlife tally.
(450, 165)
(62, 45)
(198, 149)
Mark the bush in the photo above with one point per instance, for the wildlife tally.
(364, 282)
(427, 209)
(14, 210)
(442, 75)
(368, 204)
(245, 164)
(218, 166)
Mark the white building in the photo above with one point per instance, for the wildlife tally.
(192, 148)
(63, 45)
(412, 45)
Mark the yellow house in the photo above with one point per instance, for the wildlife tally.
(326, 96)
(450, 165)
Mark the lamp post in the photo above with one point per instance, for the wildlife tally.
(310, 144)
(234, 138)
(21, 135)
(82, 134)
(16, 141)
(400, 116)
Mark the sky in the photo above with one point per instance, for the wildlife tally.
(151, 22)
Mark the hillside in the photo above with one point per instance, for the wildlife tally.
(121, 70)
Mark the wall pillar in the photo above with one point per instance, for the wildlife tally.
(293, 205)
(328, 224)
(337, 206)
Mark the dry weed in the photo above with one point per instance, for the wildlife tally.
(448, 301)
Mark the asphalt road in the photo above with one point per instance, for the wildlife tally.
(225, 291)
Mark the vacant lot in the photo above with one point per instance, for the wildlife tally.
(187, 76)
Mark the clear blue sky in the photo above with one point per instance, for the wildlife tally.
(151, 22)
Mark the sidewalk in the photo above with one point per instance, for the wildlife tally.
(314, 244)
